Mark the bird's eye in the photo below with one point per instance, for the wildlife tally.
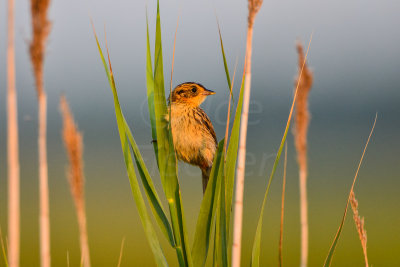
(194, 89)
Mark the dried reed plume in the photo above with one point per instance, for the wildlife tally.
(12, 151)
(302, 119)
(254, 6)
(40, 31)
(74, 147)
(359, 225)
(282, 207)
(329, 257)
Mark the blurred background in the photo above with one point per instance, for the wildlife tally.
(355, 58)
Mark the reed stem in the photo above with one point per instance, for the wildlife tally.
(254, 6)
(12, 151)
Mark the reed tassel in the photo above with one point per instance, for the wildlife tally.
(302, 119)
(74, 148)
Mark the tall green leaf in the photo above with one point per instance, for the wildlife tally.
(150, 190)
(206, 215)
(166, 155)
(228, 79)
(231, 156)
(221, 248)
(255, 257)
(150, 92)
(146, 222)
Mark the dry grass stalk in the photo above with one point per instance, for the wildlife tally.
(12, 151)
(120, 252)
(282, 207)
(327, 260)
(254, 6)
(40, 32)
(74, 147)
(360, 226)
(302, 119)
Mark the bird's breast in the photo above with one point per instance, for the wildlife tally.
(193, 141)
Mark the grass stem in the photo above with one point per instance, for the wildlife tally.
(40, 32)
(282, 207)
(12, 151)
(254, 7)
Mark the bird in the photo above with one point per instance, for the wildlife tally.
(193, 134)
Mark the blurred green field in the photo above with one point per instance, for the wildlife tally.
(112, 214)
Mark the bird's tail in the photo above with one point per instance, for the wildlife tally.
(205, 173)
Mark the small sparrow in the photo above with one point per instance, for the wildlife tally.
(194, 138)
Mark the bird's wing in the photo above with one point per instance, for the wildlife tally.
(207, 123)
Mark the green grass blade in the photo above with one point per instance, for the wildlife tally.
(150, 190)
(207, 212)
(329, 257)
(221, 225)
(150, 92)
(166, 155)
(146, 222)
(228, 79)
(255, 257)
(231, 158)
(231, 155)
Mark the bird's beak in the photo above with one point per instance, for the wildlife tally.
(208, 92)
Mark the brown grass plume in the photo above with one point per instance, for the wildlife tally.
(74, 148)
(302, 119)
(359, 225)
(40, 32)
(40, 29)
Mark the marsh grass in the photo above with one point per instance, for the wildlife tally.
(359, 222)
(253, 7)
(40, 31)
(12, 146)
(331, 251)
(302, 120)
(214, 224)
(213, 207)
(73, 142)
(280, 257)
(255, 259)
(214, 218)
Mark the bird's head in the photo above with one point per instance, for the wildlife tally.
(190, 93)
